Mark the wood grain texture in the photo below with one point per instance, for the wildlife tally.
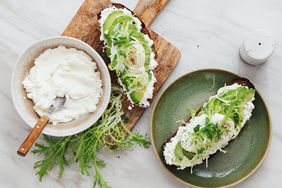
(32, 136)
(147, 10)
(85, 27)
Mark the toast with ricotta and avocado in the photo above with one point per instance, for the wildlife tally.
(131, 52)
(219, 121)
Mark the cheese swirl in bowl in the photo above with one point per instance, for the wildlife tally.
(64, 72)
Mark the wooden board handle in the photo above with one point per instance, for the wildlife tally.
(32, 136)
(147, 10)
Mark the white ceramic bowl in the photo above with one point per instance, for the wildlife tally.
(24, 106)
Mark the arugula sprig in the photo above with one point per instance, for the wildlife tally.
(109, 132)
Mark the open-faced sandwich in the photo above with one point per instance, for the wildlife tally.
(131, 53)
(209, 130)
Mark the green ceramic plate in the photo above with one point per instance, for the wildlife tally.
(244, 154)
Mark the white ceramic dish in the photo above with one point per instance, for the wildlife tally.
(24, 106)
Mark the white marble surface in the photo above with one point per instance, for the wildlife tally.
(208, 33)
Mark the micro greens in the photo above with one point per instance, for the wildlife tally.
(205, 136)
(109, 132)
(230, 103)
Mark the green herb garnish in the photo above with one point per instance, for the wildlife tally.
(109, 132)
(229, 103)
(204, 136)
(196, 129)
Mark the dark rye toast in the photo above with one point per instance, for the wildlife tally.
(239, 81)
(144, 30)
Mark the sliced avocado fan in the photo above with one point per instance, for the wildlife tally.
(130, 53)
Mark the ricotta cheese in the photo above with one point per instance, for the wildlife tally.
(107, 11)
(183, 134)
(64, 72)
(136, 68)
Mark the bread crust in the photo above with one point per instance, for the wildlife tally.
(239, 81)
(144, 30)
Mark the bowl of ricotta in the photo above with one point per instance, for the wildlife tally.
(61, 67)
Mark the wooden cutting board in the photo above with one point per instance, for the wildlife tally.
(85, 27)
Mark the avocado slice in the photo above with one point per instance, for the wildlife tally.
(188, 154)
(119, 24)
(140, 37)
(126, 43)
(130, 55)
(132, 28)
(180, 153)
(110, 19)
(137, 95)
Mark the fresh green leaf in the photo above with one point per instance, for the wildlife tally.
(230, 104)
(109, 132)
(200, 151)
(197, 128)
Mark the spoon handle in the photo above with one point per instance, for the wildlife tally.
(32, 136)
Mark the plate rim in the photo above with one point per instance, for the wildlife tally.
(190, 184)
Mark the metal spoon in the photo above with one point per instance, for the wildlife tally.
(39, 126)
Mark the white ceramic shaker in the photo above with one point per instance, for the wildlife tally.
(257, 47)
